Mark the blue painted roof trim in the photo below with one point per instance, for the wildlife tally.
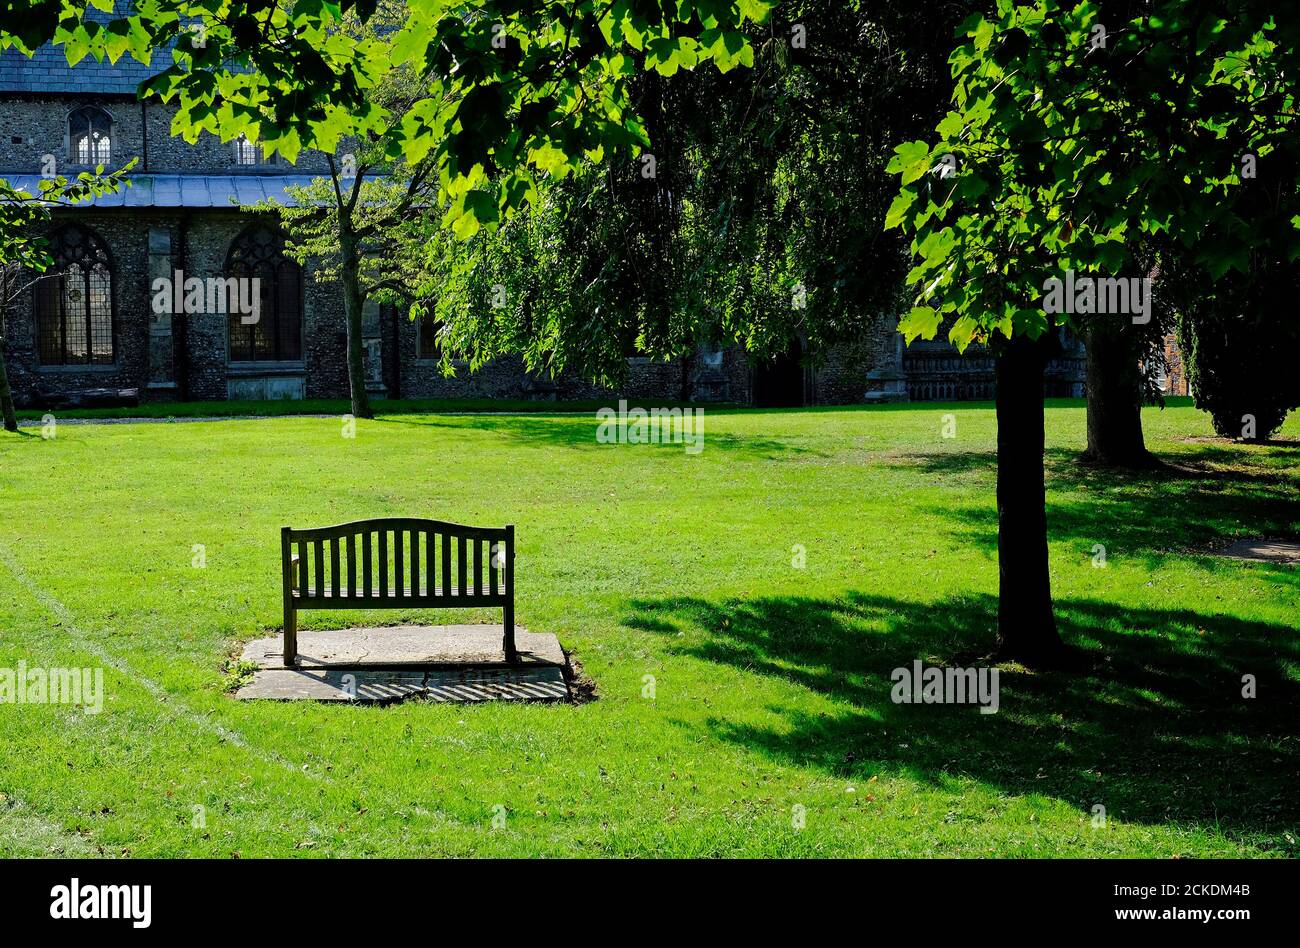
(186, 190)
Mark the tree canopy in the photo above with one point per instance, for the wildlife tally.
(1085, 135)
(756, 216)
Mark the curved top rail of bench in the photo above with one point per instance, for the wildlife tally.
(355, 527)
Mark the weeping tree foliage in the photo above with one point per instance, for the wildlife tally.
(588, 274)
(1080, 136)
(1240, 358)
(787, 235)
(756, 213)
(1242, 373)
(1237, 334)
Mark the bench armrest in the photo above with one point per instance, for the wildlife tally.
(294, 572)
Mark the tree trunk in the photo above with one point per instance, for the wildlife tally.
(688, 364)
(1114, 397)
(1026, 625)
(353, 304)
(6, 396)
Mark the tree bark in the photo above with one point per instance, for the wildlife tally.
(353, 304)
(1026, 626)
(6, 396)
(1114, 397)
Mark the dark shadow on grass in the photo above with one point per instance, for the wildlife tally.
(1066, 467)
(579, 431)
(946, 462)
(1145, 526)
(1196, 503)
(1157, 731)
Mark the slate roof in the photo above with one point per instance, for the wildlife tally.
(47, 69)
(185, 190)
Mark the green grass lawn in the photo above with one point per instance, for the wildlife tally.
(772, 683)
(315, 406)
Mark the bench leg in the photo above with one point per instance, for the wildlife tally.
(290, 635)
(508, 615)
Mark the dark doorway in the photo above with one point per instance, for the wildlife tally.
(778, 382)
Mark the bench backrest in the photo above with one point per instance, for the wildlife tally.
(398, 562)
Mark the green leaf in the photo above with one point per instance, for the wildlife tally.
(920, 321)
(951, 126)
(757, 10)
(465, 226)
(899, 208)
(1029, 322)
(963, 331)
(911, 160)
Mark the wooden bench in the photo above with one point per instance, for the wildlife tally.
(397, 563)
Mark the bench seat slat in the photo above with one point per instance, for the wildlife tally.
(469, 602)
(415, 560)
(399, 568)
(446, 561)
(430, 577)
(393, 593)
(352, 561)
(462, 582)
(439, 599)
(478, 566)
(336, 581)
(367, 568)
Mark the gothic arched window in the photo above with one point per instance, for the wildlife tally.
(74, 301)
(428, 335)
(274, 332)
(250, 155)
(245, 151)
(90, 136)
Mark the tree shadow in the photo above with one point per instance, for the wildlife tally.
(1197, 503)
(579, 432)
(1065, 467)
(1157, 731)
(947, 463)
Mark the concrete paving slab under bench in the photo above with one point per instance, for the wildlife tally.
(1265, 551)
(394, 663)
(378, 686)
(397, 645)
